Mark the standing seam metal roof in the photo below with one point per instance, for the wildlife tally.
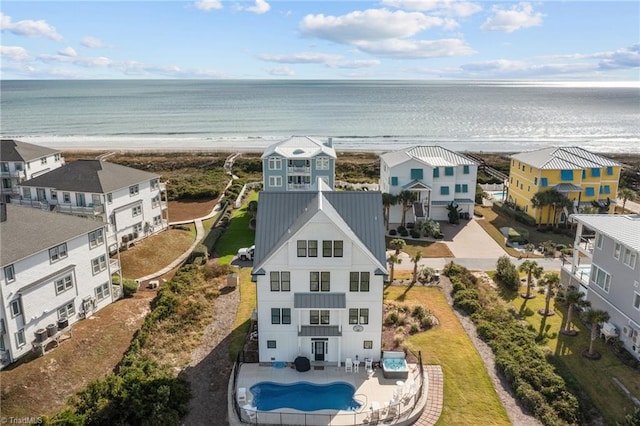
(622, 228)
(571, 157)
(300, 146)
(432, 155)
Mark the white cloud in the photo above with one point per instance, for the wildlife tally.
(417, 49)
(91, 42)
(281, 71)
(357, 64)
(29, 28)
(208, 5)
(15, 53)
(89, 62)
(68, 51)
(440, 7)
(260, 7)
(505, 68)
(301, 58)
(509, 20)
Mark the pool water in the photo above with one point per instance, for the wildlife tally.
(397, 364)
(498, 195)
(304, 396)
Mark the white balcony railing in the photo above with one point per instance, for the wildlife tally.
(114, 265)
(299, 169)
(586, 243)
(298, 186)
(82, 210)
(580, 272)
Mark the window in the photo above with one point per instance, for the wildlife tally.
(444, 190)
(359, 316)
(63, 284)
(606, 189)
(566, 175)
(43, 160)
(458, 187)
(535, 181)
(523, 167)
(102, 291)
(584, 174)
(271, 344)
(275, 315)
(616, 251)
(394, 180)
(9, 274)
(319, 281)
(20, 340)
(134, 190)
(322, 163)
(589, 191)
(137, 227)
(96, 238)
(136, 211)
(54, 194)
(275, 163)
(286, 315)
(543, 182)
(157, 220)
(109, 198)
(99, 264)
(280, 316)
(66, 311)
(307, 248)
(599, 240)
(15, 308)
(332, 248)
(448, 171)
(275, 180)
(416, 174)
(56, 157)
(636, 301)
(436, 172)
(610, 171)
(600, 278)
(302, 248)
(5, 167)
(595, 172)
(154, 183)
(359, 281)
(155, 201)
(465, 169)
(280, 281)
(465, 188)
(368, 344)
(319, 317)
(57, 253)
(629, 258)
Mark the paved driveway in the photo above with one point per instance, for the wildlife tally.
(469, 241)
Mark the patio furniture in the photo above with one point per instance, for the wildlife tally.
(242, 395)
(356, 366)
(348, 366)
(251, 413)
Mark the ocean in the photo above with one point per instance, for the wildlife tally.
(358, 115)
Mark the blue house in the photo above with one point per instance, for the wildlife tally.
(295, 164)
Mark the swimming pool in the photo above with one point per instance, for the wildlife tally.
(498, 195)
(304, 396)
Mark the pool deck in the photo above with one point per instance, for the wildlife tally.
(371, 392)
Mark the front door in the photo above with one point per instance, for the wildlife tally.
(319, 347)
(41, 194)
(80, 200)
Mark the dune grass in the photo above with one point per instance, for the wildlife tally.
(469, 396)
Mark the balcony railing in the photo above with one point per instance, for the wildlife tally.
(11, 190)
(114, 265)
(81, 210)
(298, 186)
(14, 174)
(586, 243)
(299, 169)
(580, 272)
(30, 203)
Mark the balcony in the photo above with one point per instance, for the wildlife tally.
(162, 186)
(10, 190)
(580, 272)
(114, 265)
(15, 174)
(299, 186)
(586, 243)
(90, 210)
(30, 203)
(299, 169)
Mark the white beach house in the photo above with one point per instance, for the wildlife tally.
(132, 202)
(436, 175)
(54, 267)
(319, 267)
(20, 161)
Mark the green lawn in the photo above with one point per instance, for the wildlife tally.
(237, 234)
(469, 396)
(594, 377)
(243, 316)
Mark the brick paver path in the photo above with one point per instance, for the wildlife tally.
(433, 407)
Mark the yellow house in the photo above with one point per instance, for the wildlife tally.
(582, 176)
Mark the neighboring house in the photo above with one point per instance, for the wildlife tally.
(582, 176)
(606, 268)
(54, 267)
(295, 164)
(320, 267)
(20, 161)
(131, 201)
(436, 175)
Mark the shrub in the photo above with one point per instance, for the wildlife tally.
(200, 250)
(215, 270)
(506, 274)
(415, 234)
(181, 227)
(391, 318)
(401, 229)
(404, 233)
(419, 312)
(393, 232)
(129, 287)
(414, 329)
(427, 322)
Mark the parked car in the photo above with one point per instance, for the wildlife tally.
(246, 253)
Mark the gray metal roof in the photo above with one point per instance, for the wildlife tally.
(300, 147)
(567, 187)
(323, 300)
(434, 155)
(622, 228)
(281, 214)
(98, 177)
(565, 158)
(12, 150)
(416, 184)
(319, 331)
(28, 231)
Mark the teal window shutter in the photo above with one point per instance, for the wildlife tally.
(394, 180)
(444, 190)
(448, 171)
(416, 174)
(465, 188)
(436, 172)
(465, 169)
(590, 191)
(458, 187)
(543, 182)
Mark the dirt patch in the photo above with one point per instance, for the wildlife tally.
(188, 210)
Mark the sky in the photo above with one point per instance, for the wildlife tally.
(264, 39)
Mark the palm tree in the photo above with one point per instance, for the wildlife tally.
(388, 200)
(626, 194)
(532, 269)
(406, 199)
(551, 280)
(393, 261)
(415, 259)
(397, 244)
(558, 201)
(539, 201)
(595, 316)
(573, 298)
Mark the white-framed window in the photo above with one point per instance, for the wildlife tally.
(155, 183)
(280, 281)
(322, 163)
(134, 190)
(280, 315)
(136, 211)
(599, 240)
(137, 227)
(9, 274)
(307, 248)
(18, 167)
(155, 201)
(629, 257)
(63, 284)
(58, 252)
(109, 198)
(66, 197)
(96, 238)
(600, 278)
(367, 344)
(56, 157)
(275, 180)
(617, 248)
(157, 220)
(319, 317)
(636, 301)
(43, 160)
(102, 291)
(275, 163)
(54, 194)
(271, 344)
(67, 310)
(20, 340)
(99, 264)
(15, 308)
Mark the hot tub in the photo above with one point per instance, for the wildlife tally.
(394, 366)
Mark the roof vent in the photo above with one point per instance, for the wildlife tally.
(298, 151)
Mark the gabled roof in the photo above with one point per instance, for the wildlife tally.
(300, 147)
(282, 214)
(435, 156)
(27, 231)
(98, 177)
(564, 158)
(622, 228)
(12, 150)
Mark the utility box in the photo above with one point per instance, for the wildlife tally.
(232, 280)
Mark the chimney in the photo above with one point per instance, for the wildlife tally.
(3, 212)
(329, 142)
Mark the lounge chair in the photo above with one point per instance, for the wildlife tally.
(348, 366)
(251, 413)
(242, 395)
